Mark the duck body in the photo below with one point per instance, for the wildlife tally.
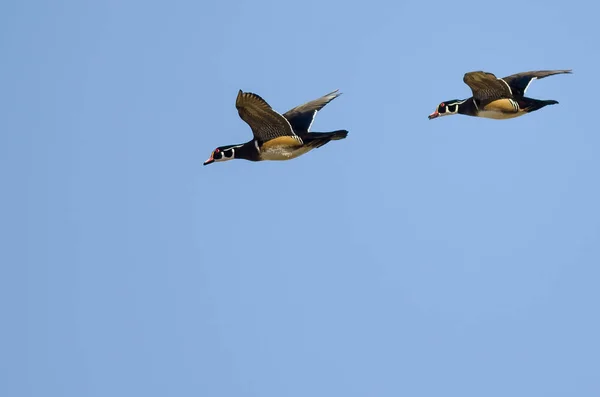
(497, 98)
(284, 148)
(277, 137)
(508, 108)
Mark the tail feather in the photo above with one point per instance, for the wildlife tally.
(337, 135)
(318, 139)
(333, 135)
(536, 104)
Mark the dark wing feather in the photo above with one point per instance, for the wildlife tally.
(266, 123)
(486, 87)
(520, 81)
(301, 117)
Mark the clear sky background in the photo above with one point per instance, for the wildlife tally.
(452, 257)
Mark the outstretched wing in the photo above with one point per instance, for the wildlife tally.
(266, 123)
(486, 87)
(301, 117)
(520, 82)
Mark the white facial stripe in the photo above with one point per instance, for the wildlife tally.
(225, 157)
(448, 112)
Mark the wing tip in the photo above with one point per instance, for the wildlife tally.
(562, 71)
(334, 94)
(472, 74)
(239, 98)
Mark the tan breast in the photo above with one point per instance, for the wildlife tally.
(281, 141)
(283, 148)
(500, 109)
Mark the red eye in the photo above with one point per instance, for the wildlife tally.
(216, 150)
(442, 104)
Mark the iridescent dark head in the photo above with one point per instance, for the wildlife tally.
(446, 108)
(222, 153)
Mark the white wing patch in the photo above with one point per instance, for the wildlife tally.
(527, 86)
(311, 121)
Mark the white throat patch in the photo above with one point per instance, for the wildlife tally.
(231, 151)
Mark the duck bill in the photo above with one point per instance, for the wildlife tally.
(434, 115)
(209, 161)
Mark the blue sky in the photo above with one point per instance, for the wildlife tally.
(452, 257)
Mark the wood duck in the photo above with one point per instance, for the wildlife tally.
(276, 136)
(496, 98)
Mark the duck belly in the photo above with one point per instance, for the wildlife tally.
(496, 115)
(281, 153)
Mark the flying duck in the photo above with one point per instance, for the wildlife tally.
(276, 136)
(496, 98)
